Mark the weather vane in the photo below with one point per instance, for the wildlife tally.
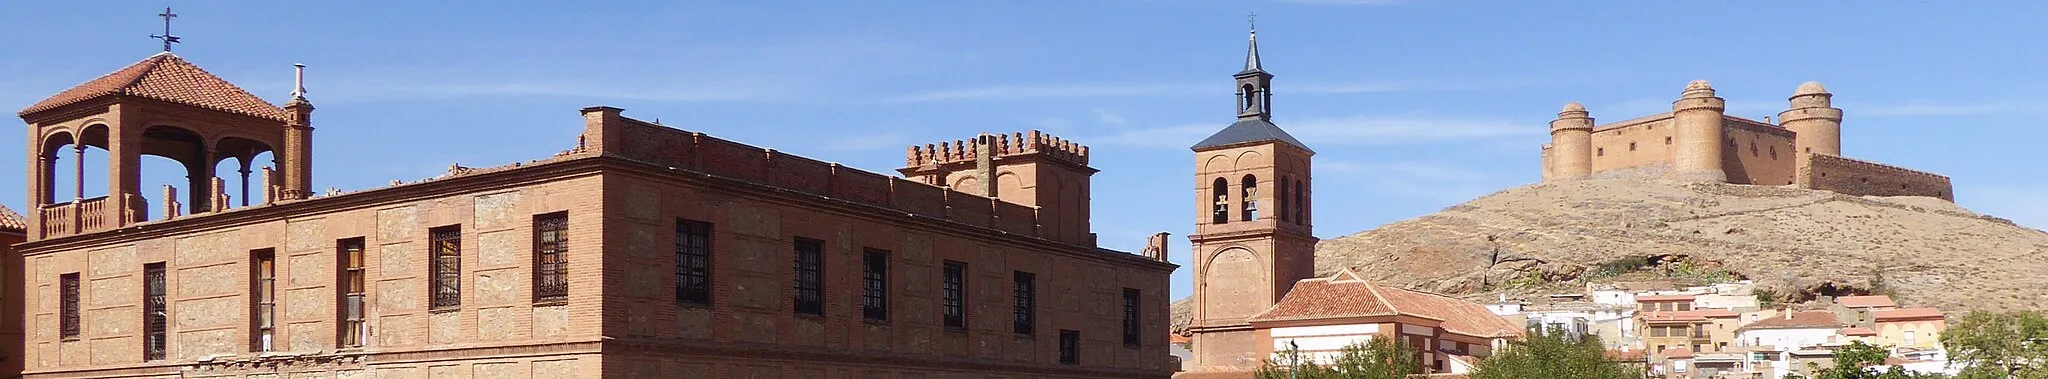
(167, 37)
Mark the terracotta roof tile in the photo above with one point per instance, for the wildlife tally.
(1856, 332)
(1677, 353)
(1908, 314)
(1347, 295)
(166, 77)
(1866, 301)
(1799, 320)
(1653, 298)
(12, 222)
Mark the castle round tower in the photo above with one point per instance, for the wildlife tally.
(1571, 143)
(1697, 119)
(1815, 119)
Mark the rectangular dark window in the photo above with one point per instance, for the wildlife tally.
(1026, 292)
(956, 294)
(263, 300)
(153, 323)
(351, 290)
(550, 264)
(874, 289)
(446, 248)
(693, 262)
(810, 281)
(1070, 347)
(67, 288)
(1131, 317)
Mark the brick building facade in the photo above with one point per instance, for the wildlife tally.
(640, 251)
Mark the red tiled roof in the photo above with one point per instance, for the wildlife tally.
(1854, 332)
(12, 222)
(1799, 320)
(1177, 338)
(166, 77)
(1677, 353)
(1660, 298)
(1907, 314)
(1866, 301)
(1347, 295)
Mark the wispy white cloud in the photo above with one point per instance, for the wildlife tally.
(1341, 2)
(1045, 91)
(1428, 180)
(1022, 92)
(1106, 117)
(1340, 131)
(868, 142)
(1932, 108)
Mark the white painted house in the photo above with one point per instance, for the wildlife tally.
(1786, 334)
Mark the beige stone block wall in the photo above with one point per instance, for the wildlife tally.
(1653, 146)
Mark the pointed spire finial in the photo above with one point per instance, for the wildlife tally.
(167, 37)
(299, 81)
(1251, 57)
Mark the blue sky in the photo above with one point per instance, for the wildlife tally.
(1413, 105)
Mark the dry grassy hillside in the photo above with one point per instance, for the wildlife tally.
(1796, 243)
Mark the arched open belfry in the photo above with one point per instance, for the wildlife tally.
(167, 107)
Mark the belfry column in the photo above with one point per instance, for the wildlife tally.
(1697, 115)
(200, 182)
(1571, 143)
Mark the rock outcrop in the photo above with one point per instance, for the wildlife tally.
(1797, 244)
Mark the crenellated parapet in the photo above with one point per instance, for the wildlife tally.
(1000, 145)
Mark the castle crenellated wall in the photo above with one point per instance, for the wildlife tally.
(1863, 178)
(1757, 153)
(1004, 145)
(684, 150)
(1746, 151)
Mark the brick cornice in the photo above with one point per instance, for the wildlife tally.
(828, 204)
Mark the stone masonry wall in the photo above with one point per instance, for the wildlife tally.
(208, 286)
(698, 152)
(1862, 178)
(750, 327)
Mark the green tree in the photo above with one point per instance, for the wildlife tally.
(1378, 358)
(1553, 355)
(1854, 360)
(1999, 345)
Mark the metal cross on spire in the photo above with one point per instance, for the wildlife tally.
(1253, 19)
(167, 37)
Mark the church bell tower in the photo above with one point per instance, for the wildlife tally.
(1253, 236)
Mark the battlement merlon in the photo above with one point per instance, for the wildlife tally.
(1000, 146)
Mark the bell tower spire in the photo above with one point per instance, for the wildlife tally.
(1254, 84)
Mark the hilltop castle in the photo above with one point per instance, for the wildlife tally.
(1697, 142)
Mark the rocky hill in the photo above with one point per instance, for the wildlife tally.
(1796, 244)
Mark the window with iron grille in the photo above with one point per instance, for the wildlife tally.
(263, 300)
(1026, 293)
(1131, 317)
(874, 289)
(153, 311)
(352, 274)
(446, 243)
(550, 264)
(68, 290)
(693, 262)
(810, 298)
(1070, 347)
(956, 294)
